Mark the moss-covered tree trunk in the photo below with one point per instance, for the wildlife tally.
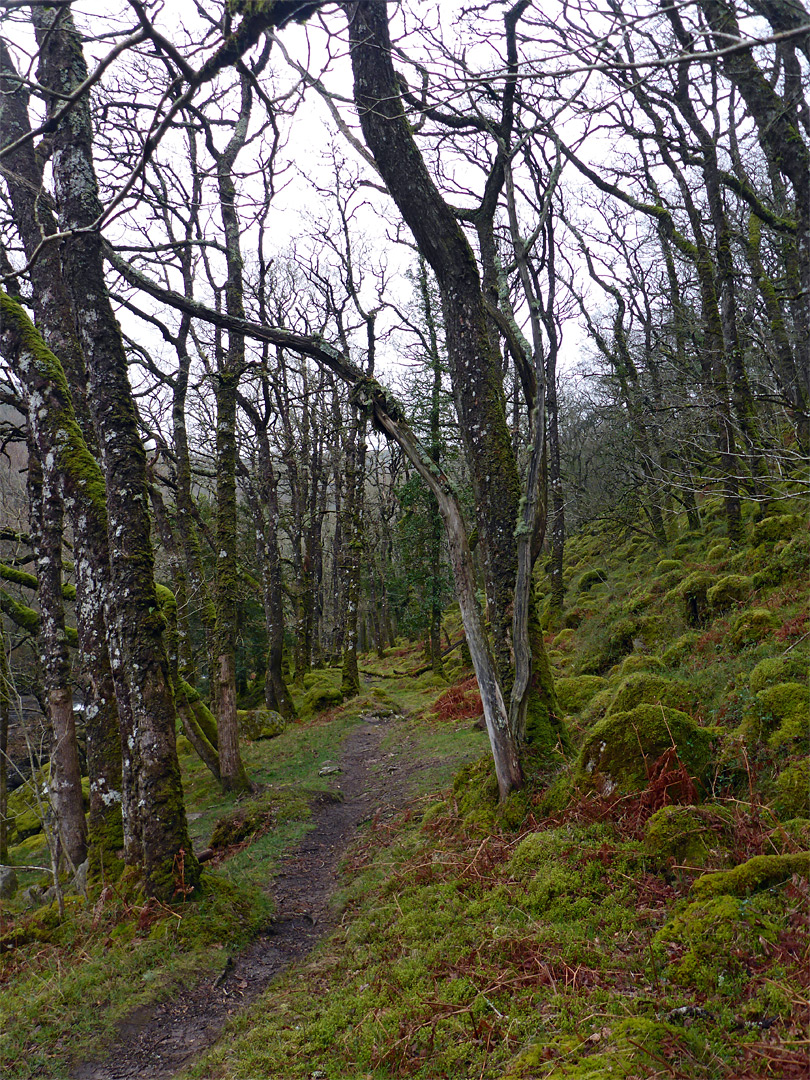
(46, 523)
(33, 217)
(474, 363)
(436, 530)
(351, 555)
(5, 716)
(230, 366)
(264, 505)
(158, 816)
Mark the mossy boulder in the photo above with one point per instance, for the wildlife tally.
(565, 639)
(598, 705)
(648, 688)
(792, 798)
(591, 578)
(689, 835)
(761, 872)
(575, 692)
(622, 634)
(785, 700)
(776, 527)
(665, 566)
(641, 662)
(693, 592)
(681, 649)
(315, 677)
(257, 724)
(751, 627)
(713, 938)
(731, 589)
(775, 669)
(718, 550)
(245, 822)
(322, 695)
(619, 751)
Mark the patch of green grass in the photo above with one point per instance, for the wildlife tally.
(64, 992)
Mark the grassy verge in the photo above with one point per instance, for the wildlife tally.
(64, 986)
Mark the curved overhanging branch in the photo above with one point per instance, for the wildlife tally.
(388, 417)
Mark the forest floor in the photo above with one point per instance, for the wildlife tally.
(156, 1041)
(381, 916)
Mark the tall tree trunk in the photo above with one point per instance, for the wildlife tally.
(161, 819)
(88, 518)
(46, 522)
(5, 715)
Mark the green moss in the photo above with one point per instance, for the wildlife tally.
(792, 799)
(761, 872)
(689, 835)
(681, 649)
(667, 565)
(729, 590)
(598, 705)
(247, 821)
(785, 700)
(565, 639)
(621, 749)
(693, 591)
(475, 789)
(718, 550)
(319, 697)
(776, 527)
(750, 627)
(647, 688)
(260, 723)
(624, 1050)
(713, 938)
(641, 662)
(575, 692)
(591, 578)
(775, 669)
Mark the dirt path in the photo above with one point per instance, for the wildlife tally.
(157, 1041)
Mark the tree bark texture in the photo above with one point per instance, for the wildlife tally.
(474, 363)
(150, 754)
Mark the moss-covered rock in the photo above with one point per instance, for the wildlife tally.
(315, 677)
(775, 669)
(681, 649)
(591, 578)
(776, 527)
(620, 750)
(791, 835)
(761, 872)
(641, 662)
(752, 626)
(320, 696)
(565, 639)
(257, 724)
(693, 592)
(712, 938)
(718, 550)
(246, 821)
(598, 706)
(665, 566)
(575, 692)
(689, 835)
(792, 798)
(648, 688)
(731, 589)
(785, 700)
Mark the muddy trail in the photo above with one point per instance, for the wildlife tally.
(157, 1041)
